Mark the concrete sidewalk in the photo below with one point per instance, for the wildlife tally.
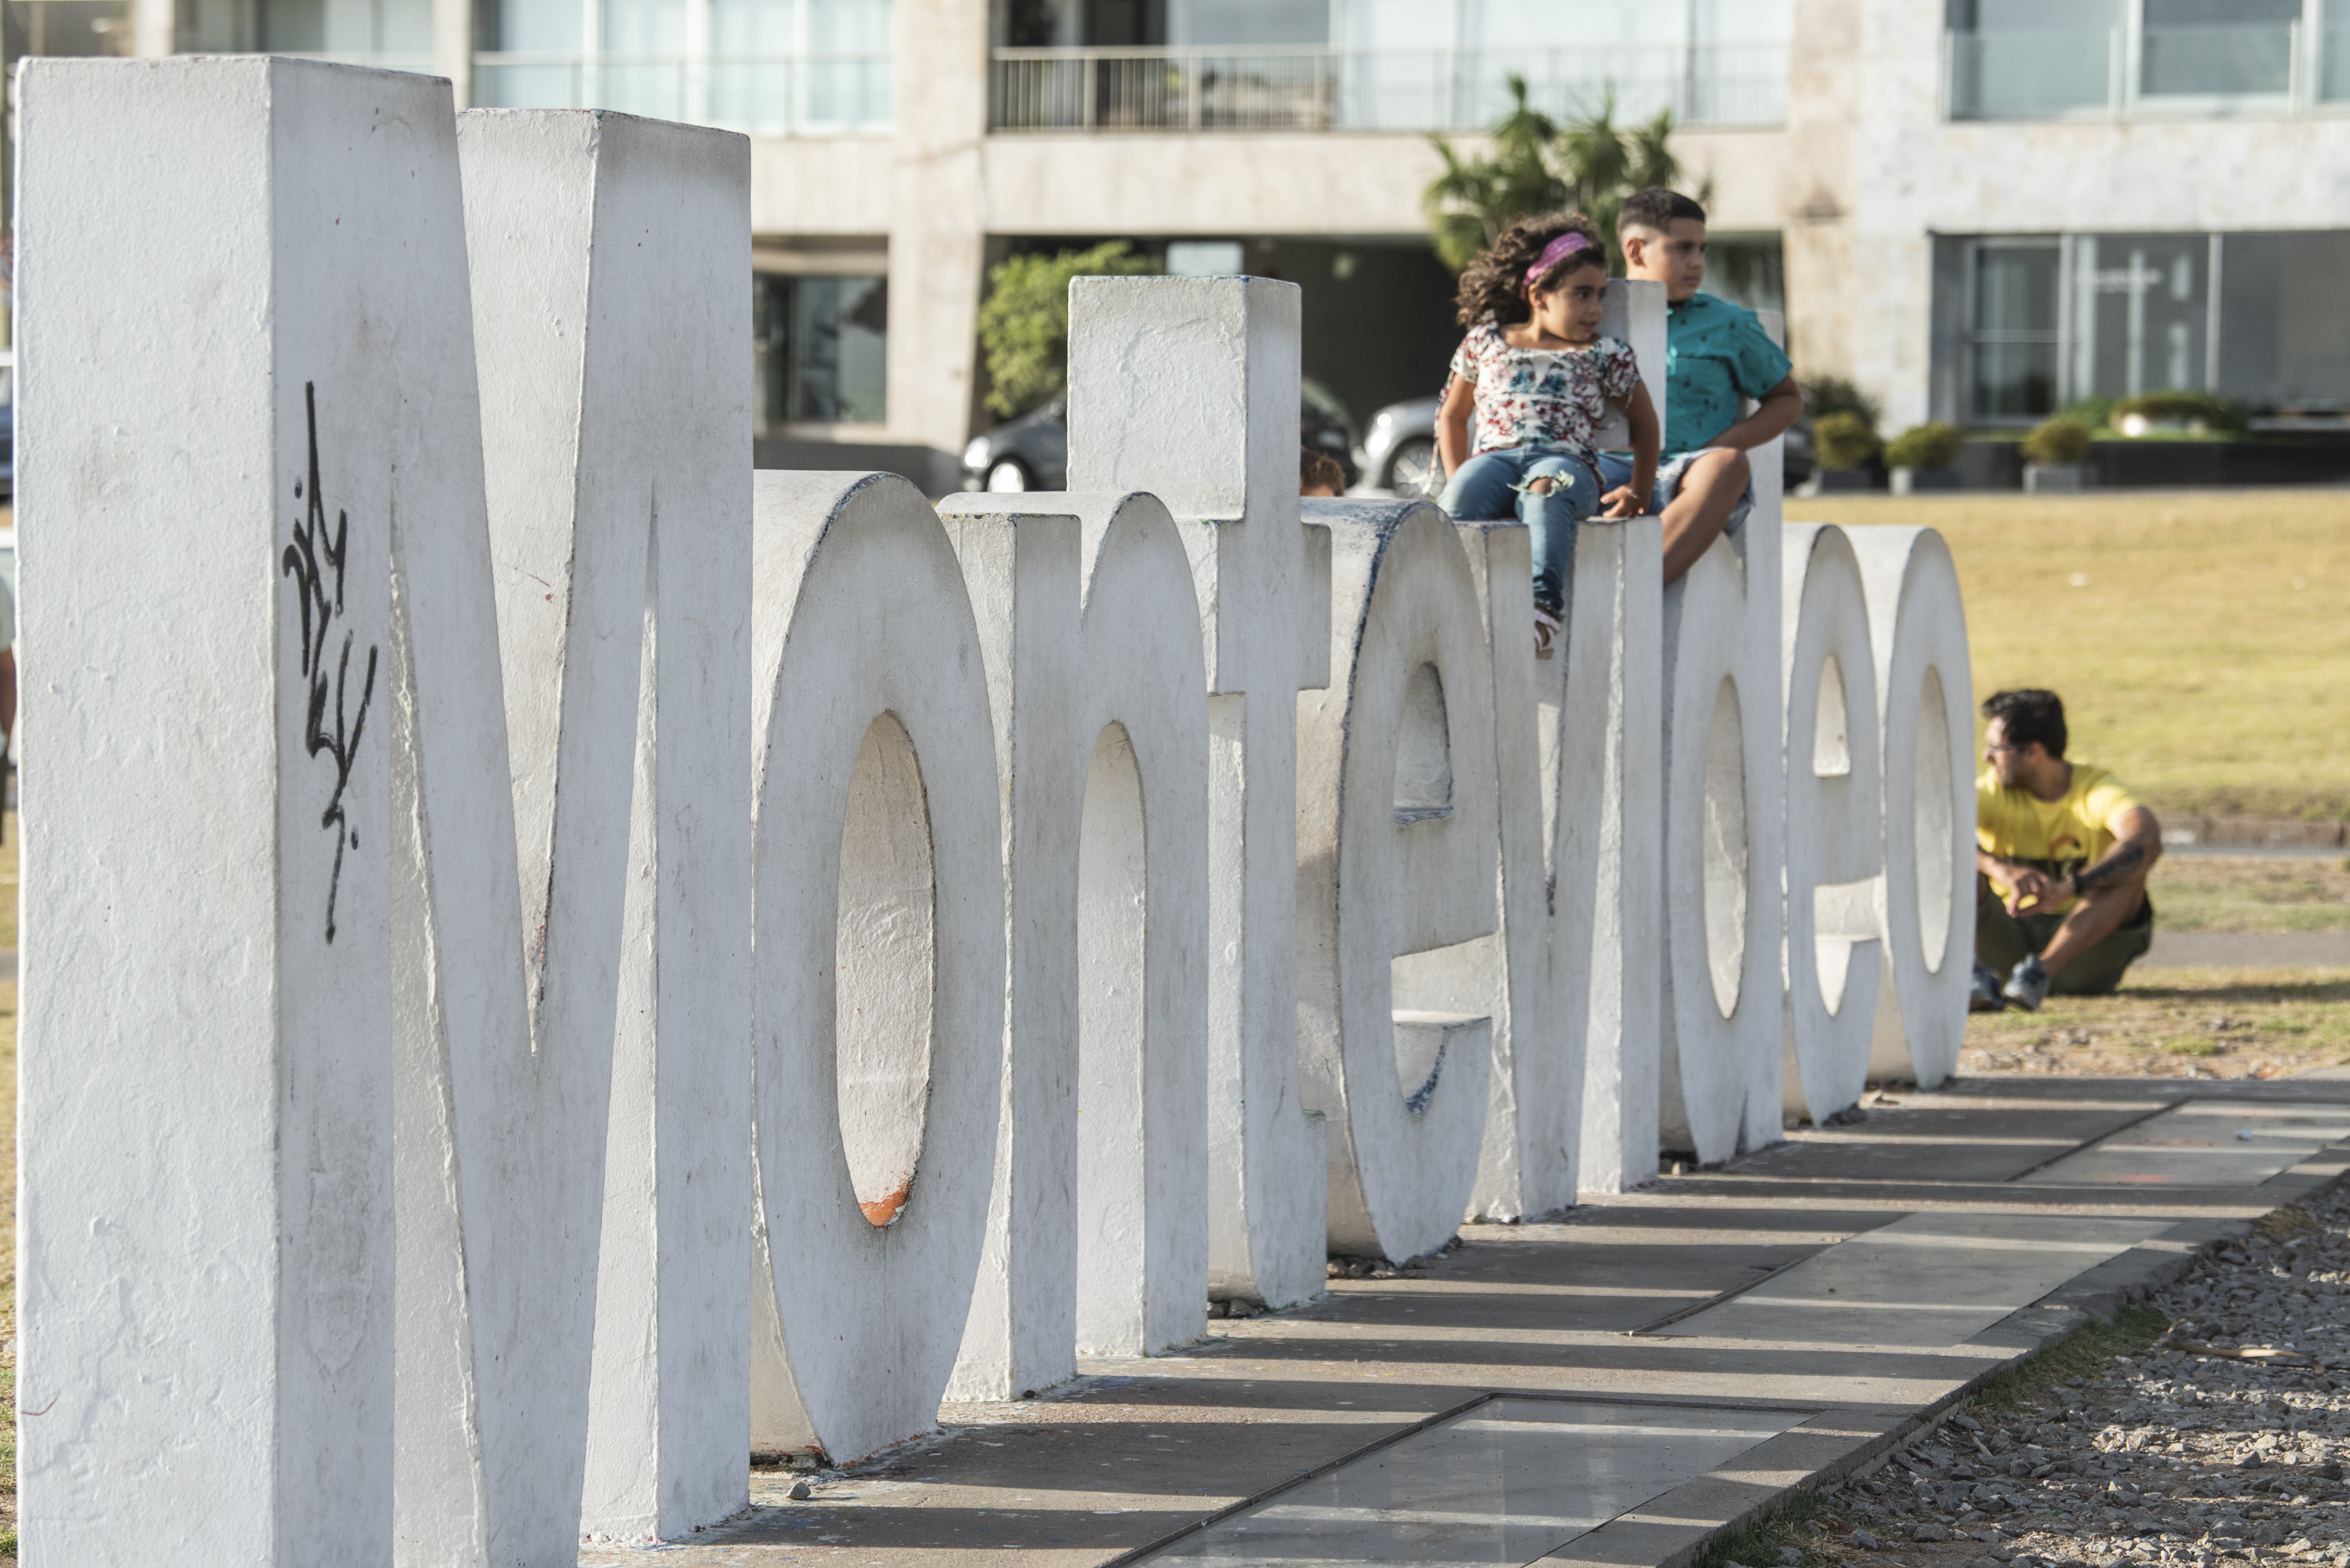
(1612, 1388)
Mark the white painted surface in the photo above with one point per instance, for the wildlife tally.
(879, 1009)
(1917, 629)
(1396, 825)
(1721, 1033)
(1090, 634)
(609, 255)
(206, 1247)
(1188, 388)
(1571, 978)
(1608, 836)
(1836, 840)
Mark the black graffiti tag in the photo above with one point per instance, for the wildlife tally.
(309, 561)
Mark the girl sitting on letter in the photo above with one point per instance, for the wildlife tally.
(1537, 377)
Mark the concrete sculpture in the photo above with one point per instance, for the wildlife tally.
(206, 1216)
(1096, 1239)
(607, 255)
(1917, 630)
(1188, 388)
(879, 1003)
(421, 1163)
(1395, 858)
(1721, 1038)
(1571, 981)
(1836, 840)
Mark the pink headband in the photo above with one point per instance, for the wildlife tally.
(1557, 251)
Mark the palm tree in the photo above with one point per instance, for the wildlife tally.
(1537, 165)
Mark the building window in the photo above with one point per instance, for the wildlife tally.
(768, 67)
(822, 347)
(2042, 59)
(2047, 321)
(2013, 330)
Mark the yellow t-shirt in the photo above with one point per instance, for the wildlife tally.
(2058, 837)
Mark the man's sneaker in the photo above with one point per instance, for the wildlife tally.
(2028, 987)
(1546, 630)
(1984, 996)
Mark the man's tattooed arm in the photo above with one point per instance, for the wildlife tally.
(2127, 857)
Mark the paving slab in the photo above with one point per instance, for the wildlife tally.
(2206, 1143)
(1718, 1296)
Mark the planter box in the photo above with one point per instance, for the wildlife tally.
(1913, 481)
(2059, 478)
(1839, 482)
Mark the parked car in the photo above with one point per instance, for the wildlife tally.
(1032, 453)
(1399, 453)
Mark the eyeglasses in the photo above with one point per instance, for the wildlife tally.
(1995, 747)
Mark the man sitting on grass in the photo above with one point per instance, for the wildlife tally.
(2060, 890)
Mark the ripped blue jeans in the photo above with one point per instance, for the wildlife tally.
(1493, 485)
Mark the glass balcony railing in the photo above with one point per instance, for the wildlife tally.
(2033, 76)
(2334, 65)
(1314, 88)
(2157, 70)
(763, 95)
(2220, 61)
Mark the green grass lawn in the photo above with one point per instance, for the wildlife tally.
(2200, 638)
(2218, 893)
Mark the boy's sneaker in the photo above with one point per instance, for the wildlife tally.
(1983, 996)
(2028, 987)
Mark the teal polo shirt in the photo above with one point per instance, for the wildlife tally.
(1715, 353)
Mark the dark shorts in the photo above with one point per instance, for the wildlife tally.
(2002, 939)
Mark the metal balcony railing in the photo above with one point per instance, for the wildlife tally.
(1316, 88)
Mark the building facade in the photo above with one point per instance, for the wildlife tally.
(1977, 209)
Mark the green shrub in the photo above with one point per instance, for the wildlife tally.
(1845, 441)
(1835, 395)
(2097, 412)
(1024, 324)
(2189, 408)
(1934, 445)
(2061, 439)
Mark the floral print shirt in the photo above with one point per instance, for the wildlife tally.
(1554, 398)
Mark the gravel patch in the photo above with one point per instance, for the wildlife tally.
(2164, 1456)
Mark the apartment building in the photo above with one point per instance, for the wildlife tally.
(1980, 210)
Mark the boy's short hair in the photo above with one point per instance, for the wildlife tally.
(2029, 714)
(1656, 209)
(1320, 469)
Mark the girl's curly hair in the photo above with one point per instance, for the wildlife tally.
(1493, 286)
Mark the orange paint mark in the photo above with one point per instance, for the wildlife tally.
(885, 1209)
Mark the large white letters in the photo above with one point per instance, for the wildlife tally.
(1188, 388)
(420, 1162)
(880, 972)
(207, 1243)
(1835, 849)
(1395, 825)
(1091, 636)
(1720, 1038)
(1917, 627)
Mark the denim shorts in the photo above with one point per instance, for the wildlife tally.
(1616, 469)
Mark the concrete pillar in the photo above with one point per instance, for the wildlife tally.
(1819, 191)
(939, 233)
